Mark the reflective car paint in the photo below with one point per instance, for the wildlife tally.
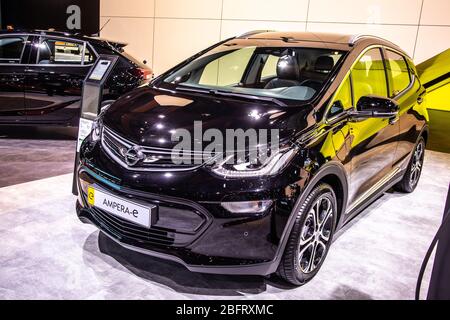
(50, 94)
(359, 159)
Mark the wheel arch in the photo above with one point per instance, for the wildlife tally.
(425, 133)
(332, 173)
(338, 186)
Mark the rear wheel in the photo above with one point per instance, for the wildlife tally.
(310, 237)
(414, 170)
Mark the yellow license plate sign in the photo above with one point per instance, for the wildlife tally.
(91, 196)
(123, 208)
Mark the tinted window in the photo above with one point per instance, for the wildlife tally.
(270, 67)
(342, 100)
(368, 75)
(11, 49)
(60, 52)
(398, 73)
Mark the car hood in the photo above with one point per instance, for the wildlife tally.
(148, 116)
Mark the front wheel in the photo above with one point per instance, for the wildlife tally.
(310, 237)
(414, 170)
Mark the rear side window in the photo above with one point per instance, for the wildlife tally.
(11, 49)
(398, 73)
(53, 51)
(368, 75)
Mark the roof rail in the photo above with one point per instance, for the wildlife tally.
(253, 32)
(357, 37)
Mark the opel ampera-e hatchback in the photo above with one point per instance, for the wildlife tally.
(350, 121)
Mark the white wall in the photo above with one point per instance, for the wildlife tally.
(164, 32)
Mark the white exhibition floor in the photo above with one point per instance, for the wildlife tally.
(47, 253)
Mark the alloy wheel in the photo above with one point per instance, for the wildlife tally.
(417, 163)
(315, 234)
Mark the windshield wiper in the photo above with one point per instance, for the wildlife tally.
(233, 94)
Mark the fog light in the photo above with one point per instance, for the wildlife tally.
(247, 206)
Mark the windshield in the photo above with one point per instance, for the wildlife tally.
(291, 73)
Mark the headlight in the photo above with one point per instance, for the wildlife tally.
(97, 125)
(244, 169)
(96, 130)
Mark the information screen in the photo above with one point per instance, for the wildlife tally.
(100, 69)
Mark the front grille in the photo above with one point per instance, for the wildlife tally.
(124, 229)
(178, 223)
(155, 159)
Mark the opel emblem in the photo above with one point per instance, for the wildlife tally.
(134, 155)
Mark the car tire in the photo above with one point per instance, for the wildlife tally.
(309, 241)
(414, 170)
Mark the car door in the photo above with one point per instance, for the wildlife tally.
(373, 141)
(54, 82)
(12, 78)
(405, 89)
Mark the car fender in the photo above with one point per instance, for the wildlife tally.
(330, 168)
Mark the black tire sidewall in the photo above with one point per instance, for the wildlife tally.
(407, 186)
(320, 190)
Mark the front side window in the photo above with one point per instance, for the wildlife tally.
(52, 51)
(242, 67)
(368, 75)
(398, 73)
(270, 67)
(11, 49)
(342, 100)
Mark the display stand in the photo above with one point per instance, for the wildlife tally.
(92, 97)
(440, 278)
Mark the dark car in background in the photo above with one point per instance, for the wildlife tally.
(352, 122)
(42, 73)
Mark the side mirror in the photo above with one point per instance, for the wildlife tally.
(375, 107)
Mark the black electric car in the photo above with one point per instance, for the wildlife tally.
(42, 73)
(351, 122)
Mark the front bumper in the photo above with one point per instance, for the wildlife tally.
(264, 268)
(211, 241)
